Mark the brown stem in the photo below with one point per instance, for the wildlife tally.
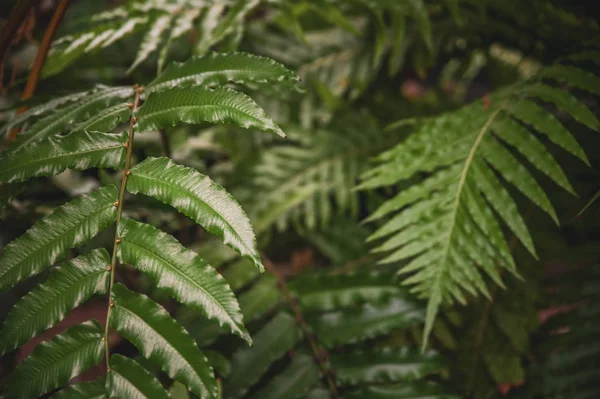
(40, 60)
(314, 346)
(14, 21)
(119, 204)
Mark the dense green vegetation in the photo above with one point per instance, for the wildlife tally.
(299, 199)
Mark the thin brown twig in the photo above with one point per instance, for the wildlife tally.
(319, 355)
(40, 60)
(13, 23)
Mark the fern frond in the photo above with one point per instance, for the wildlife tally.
(301, 179)
(385, 366)
(78, 151)
(70, 285)
(199, 198)
(198, 104)
(270, 344)
(324, 292)
(293, 382)
(60, 120)
(162, 340)
(69, 226)
(128, 379)
(187, 277)
(51, 363)
(82, 390)
(444, 228)
(217, 69)
(350, 326)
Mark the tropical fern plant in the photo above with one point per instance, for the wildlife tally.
(446, 226)
(70, 133)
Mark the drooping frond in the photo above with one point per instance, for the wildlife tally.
(446, 228)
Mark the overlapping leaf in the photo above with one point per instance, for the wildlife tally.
(198, 197)
(69, 226)
(83, 390)
(70, 285)
(53, 363)
(78, 151)
(162, 340)
(186, 276)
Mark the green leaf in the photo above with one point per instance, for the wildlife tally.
(293, 382)
(240, 273)
(83, 390)
(78, 151)
(272, 342)
(151, 40)
(262, 297)
(384, 366)
(531, 148)
(574, 76)
(327, 292)
(199, 104)
(105, 120)
(53, 363)
(48, 240)
(199, 198)
(70, 285)
(59, 121)
(162, 340)
(421, 390)
(217, 69)
(356, 325)
(565, 101)
(218, 362)
(543, 121)
(127, 379)
(9, 192)
(181, 272)
(42, 109)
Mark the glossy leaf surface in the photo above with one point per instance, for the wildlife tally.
(69, 226)
(78, 151)
(184, 275)
(69, 285)
(53, 363)
(199, 198)
(199, 104)
(129, 380)
(162, 340)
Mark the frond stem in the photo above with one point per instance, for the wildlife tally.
(119, 205)
(314, 346)
(436, 300)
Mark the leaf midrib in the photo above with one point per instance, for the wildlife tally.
(443, 262)
(212, 298)
(68, 230)
(194, 196)
(176, 81)
(57, 157)
(165, 110)
(144, 322)
(29, 316)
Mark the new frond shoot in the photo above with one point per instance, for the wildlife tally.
(75, 132)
